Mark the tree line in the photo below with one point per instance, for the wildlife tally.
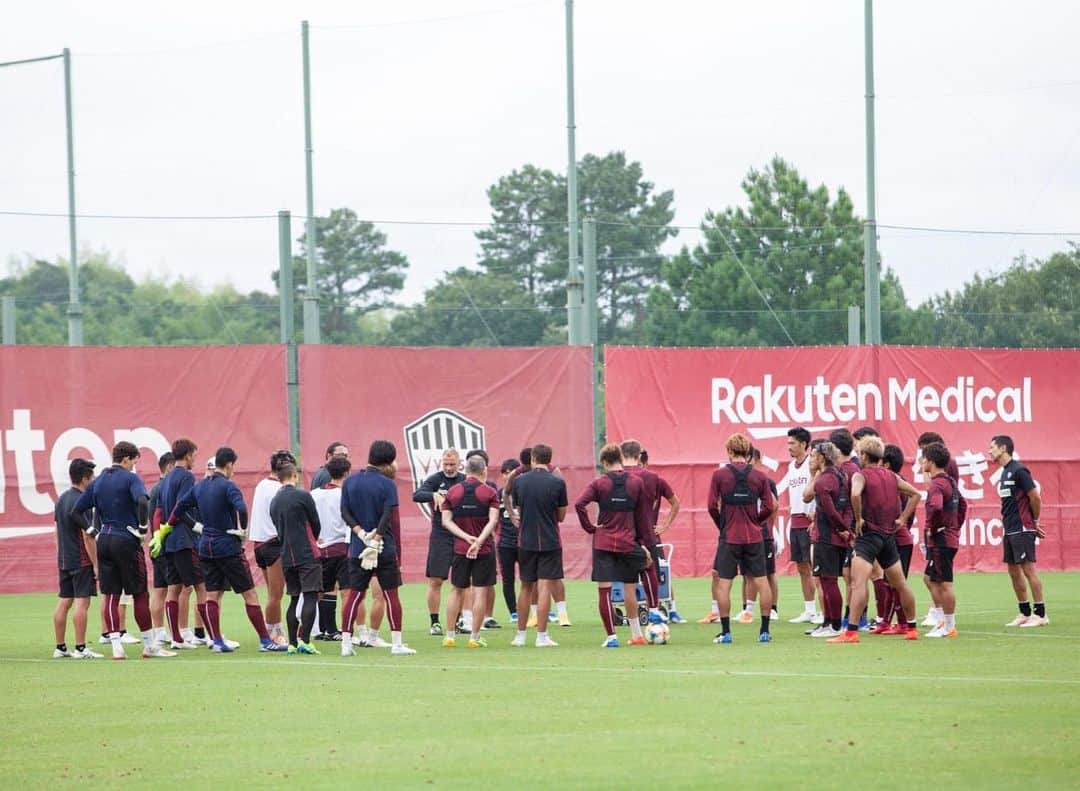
(781, 268)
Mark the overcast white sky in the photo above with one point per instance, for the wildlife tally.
(420, 106)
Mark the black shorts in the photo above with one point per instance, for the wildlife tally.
(730, 558)
(871, 546)
(229, 572)
(440, 554)
(849, 553)
(770, 557)
(617, 566)
(479, 571)
(305, 578)
(161, 571)
(267, 553)
(508, 558)
(78, 583)
(799, 541)
(546, 565)
(386, 573)
(939, 563)
(657, 554)
(122, 565)
(1019, 548)
(183, 568)
(828, 559)
(335, 572)
(905, 557)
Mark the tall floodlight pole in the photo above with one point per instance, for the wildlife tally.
(311, 293)
(575, 325)
(871, 276)
(74, 312)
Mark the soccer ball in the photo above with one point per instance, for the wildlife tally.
(657, 633)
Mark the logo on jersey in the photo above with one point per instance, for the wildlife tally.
(428, 436)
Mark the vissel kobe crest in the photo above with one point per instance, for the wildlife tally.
(427, 437)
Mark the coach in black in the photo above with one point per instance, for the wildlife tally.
(440, 543)
(540, 496)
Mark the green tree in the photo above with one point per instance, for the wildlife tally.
(357, 274)
(788, 264)
(470, 308)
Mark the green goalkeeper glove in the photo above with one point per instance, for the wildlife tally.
(158, 541)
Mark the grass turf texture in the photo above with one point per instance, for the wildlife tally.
(996, 707)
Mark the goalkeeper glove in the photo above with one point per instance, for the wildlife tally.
(369, 558)
(158, 541)
(238, 532)
(139, 532)
(93, 531)
(197, 528)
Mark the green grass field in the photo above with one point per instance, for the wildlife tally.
(994, 708)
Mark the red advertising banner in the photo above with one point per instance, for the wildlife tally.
(57, 403)
(425, 400)
(682, 404)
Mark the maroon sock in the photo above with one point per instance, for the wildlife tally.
(393, 609)
(112, 610)
(254, 614)
(606, 614)
(890, 600)
(881, 595)
(141, 604)
(204, 613)
(651, 582)
(172, 615)
(213, 612)
(898, 610)
(348, 612)
(831, 599)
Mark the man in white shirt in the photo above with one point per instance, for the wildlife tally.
(795, 482)
(333, 546)
(263, 534)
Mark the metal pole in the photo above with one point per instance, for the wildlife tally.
(311, 294)
(75, 311)
(7, 319)
(592, 326)
(853, 319)
(872, 295)
(286, 293)
(576, 332)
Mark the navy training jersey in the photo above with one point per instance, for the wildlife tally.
(369, 495)
(114, 495)
(221, 508)
(174, 486)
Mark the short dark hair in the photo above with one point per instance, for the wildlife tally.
(182, 447)
(843, 441)
(799, 434)
(541, 454)
(279, 457)
(644, 459)
(928, 437)
(286, 471)
(865, 431)
(478, 452)
(937, 454)
(332, 445)
(124, 450)
(509, 466)
(338, 467)
(225, 455)
(1003, 441)
(631, 449)
(525, 457)
(79, 470)
(894, 458)
(611, 454)
(165, 459)
(818, 441)
(755, 454)
(382, 451)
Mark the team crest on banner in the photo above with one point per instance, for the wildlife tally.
(427, 437)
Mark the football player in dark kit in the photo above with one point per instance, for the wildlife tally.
(470, 514)
(440, 542)
(655, 489)
(739, 502)
(935, 617)
(621, 538)
(1021, 504)
(160, 583)
(945, 511)
(540, 496)
(296, 521)
(369, 506)
(321, 476)
(507, 547)
(833, 519)
(76, 556)
(875, 501)
(123, 505)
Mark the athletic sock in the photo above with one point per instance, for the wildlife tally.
(327, 615)
(521, 635)
(950, 622)
(715, 608)
(80, 647)
(434, 616)
(725, 625)
(764, 624)
(912, 626)
(255, 615)
(466, 618)
(362, 633)
(635, 627)
(811, 608)
(853, 627)
(606, 614)
(395, 639)
(148, 639)
(560, 607)
(1025, 608)
(451, 634)
(749, 607)
(1040, 609)
(200, 632)
(62, 647)
(532, 611)
(835, 624)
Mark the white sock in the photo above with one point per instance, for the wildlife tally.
(395, 638)
(451, 634)
(275, 629)
(160, 635)
(673, 607)
(532, 610)
(560, 607)
(715, 607)
(521, 635)
(749, 606)
(372, 636)
(635, 628)
(149, 638)
(466, 616)
(541, 636)
(362, 633)
(938, 613)
(811, 608)
(950, 622)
